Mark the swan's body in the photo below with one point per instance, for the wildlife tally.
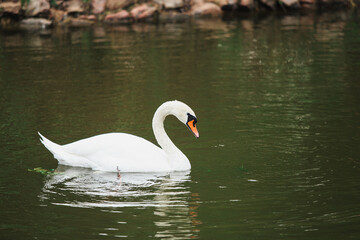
(129, 153)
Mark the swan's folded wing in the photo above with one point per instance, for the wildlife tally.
(127, 152)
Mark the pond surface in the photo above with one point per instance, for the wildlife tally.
(278, 107)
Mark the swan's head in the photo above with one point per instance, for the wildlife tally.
(185, 115)
(191, 124)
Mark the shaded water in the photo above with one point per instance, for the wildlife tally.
(278, 105)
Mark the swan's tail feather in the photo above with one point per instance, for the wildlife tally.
(51, 146)
(64, 157)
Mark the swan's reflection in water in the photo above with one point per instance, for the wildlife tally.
(174, 207)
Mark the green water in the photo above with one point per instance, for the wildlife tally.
(278, 107)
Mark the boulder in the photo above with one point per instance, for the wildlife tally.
(91, 17)
(225, 3)
(36, 23)
(77, 22)
(291, 3)
(138, 9)
(307, 3)
(119, 17)
(57, 15)
(88, 17)
(36, 7)
(170, 4)
(10, 7)
(247, 4)
(197, 2)
(80, 22)
(269, 3)
(206, 9)
(335, 3)
(75, 6)
(117, 4)
(143, 11)
(98, 6)
(173, 16)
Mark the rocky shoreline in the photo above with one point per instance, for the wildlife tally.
(47, 13)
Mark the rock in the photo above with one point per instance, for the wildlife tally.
(170, 4)
(291, 3)
(10, 7)
(148, 13)
(197, 2)
(307, 3)
(57, 15)
(269, 3)
(35, 7)
(88, 17)
(80, 22)
(220, 2)
(323, 4)
(75, 6)
(36, 22)
(98, 6)
(77, 22)
(225, 3)
(117, 4)
(143, 11)
(247, 4)
(206, 10)
(173, 16)
(119, 17)
(137, 10)
(91, 17)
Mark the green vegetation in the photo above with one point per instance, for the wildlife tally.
(43, 171)
(23, 2)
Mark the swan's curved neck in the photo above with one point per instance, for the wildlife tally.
(177, 160)
(158, 127)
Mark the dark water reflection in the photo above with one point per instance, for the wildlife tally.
(172, 204)
(278, 104)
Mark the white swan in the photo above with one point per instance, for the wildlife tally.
(129, 153)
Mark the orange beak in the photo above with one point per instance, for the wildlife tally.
(192, 127)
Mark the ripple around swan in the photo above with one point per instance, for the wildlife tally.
(74, 187)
